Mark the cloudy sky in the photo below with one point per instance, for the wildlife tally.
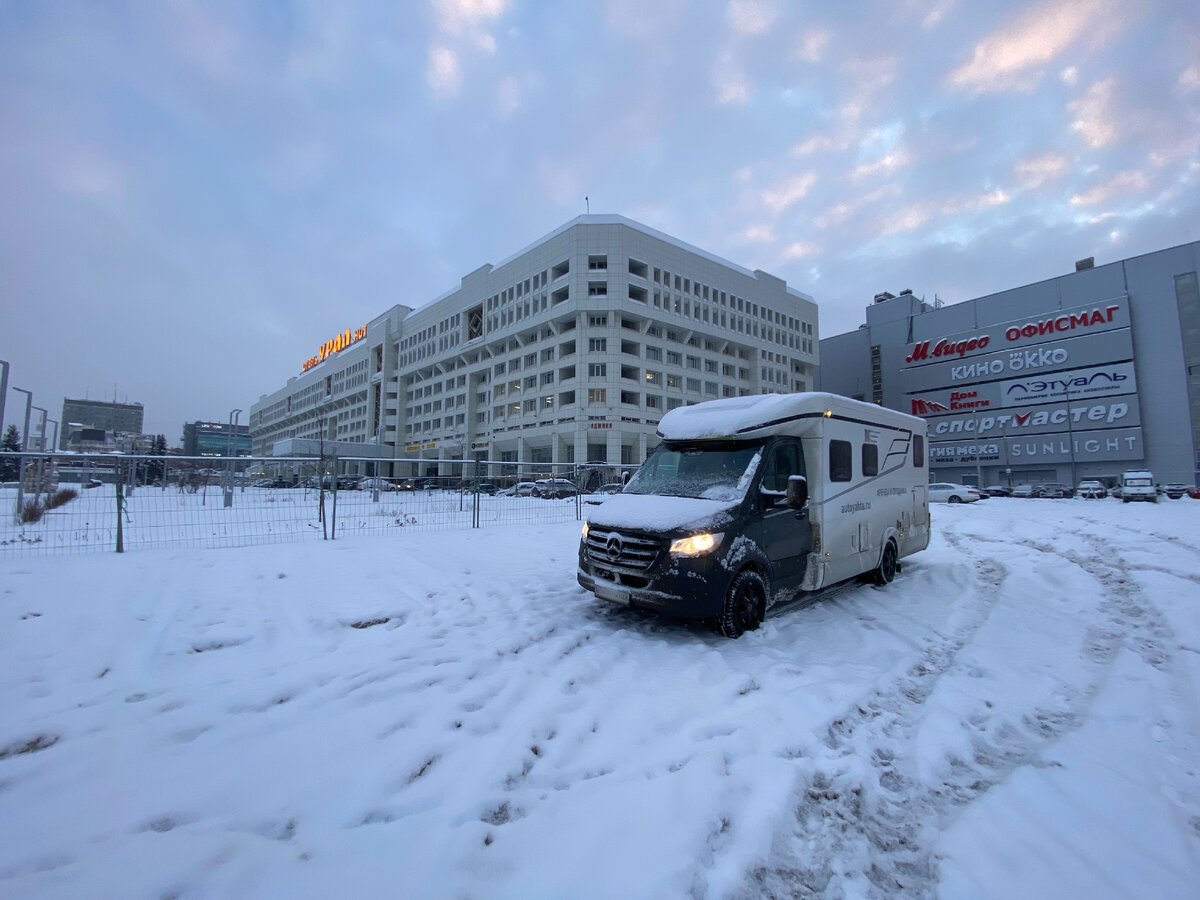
(194, 194)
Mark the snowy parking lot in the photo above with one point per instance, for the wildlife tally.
(449, 715)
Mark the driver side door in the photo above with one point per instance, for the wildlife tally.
(785, 533)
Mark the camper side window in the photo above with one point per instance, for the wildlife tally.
(870, 459)
(841, 461)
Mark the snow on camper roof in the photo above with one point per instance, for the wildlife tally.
(743, 416)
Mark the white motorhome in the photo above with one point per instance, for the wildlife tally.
(1138, 485)
(751, 500)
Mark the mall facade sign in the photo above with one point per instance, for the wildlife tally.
(1051, 389)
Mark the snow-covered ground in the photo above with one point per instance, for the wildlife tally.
(448, 715)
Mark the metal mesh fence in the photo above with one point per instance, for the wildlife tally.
(107, 503)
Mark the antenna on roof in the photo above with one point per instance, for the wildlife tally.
(587, 205)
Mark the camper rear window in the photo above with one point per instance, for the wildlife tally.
(841, 461)
(870, 459)
(919, 450)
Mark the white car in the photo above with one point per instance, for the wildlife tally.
(947, 492)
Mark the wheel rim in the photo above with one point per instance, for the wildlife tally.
(746, 605)
(888, 565)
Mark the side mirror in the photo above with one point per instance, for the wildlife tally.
(797, 492)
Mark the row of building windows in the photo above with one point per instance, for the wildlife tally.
(690, 299)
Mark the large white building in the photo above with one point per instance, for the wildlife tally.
(569, 351)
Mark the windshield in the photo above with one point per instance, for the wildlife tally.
(1137, 482)
(714, 470)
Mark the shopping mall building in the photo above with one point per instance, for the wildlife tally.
(568, 352)
(1082, 376)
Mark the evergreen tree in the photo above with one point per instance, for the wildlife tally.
(154, 468)
(11, 444)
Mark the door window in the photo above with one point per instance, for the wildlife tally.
(785, 461)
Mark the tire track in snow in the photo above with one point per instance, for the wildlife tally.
(860, 819)
(864, 824)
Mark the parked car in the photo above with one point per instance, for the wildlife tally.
(1175, 491)
(1091, 490)
(376, 484)
(411, 484)
(997, 490)
(1052, 490)
(1194, 493)
(1023, 490)
(948, 492)
(482, 487)
(520, 489)
(554, 488)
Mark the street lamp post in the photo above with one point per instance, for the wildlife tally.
(53, 447)
(3, 391)
(233, 417)
(39, 467)
(24, 447)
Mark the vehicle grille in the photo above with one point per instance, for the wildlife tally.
(620, 549)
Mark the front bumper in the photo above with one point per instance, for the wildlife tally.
(689, 588)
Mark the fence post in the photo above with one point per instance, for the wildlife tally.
(333, 515)
(120, 503)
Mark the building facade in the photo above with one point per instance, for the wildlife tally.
(1081, 376)
(568, 352)
(82, 419)
(215, 439)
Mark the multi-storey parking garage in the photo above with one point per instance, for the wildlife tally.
(568, 352)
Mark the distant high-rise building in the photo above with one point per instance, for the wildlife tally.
(215, 439)
(81, 419)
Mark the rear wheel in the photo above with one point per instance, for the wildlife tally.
(886, 570)
(745, 605)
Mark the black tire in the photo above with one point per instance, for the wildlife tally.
(954, 498)
(886, 570)
(745, 605)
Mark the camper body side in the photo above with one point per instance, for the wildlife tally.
(799, 491)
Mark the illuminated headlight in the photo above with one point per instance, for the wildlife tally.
(696, 545)
(585, 529)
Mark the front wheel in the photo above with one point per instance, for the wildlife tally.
(955, 499)
(886, 570)
(745, 605)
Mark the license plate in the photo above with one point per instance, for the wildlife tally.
(615, 594)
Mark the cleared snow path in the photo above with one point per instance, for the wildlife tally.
(448, 715)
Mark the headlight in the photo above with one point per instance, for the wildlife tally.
(697, 544)
(585, 529)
